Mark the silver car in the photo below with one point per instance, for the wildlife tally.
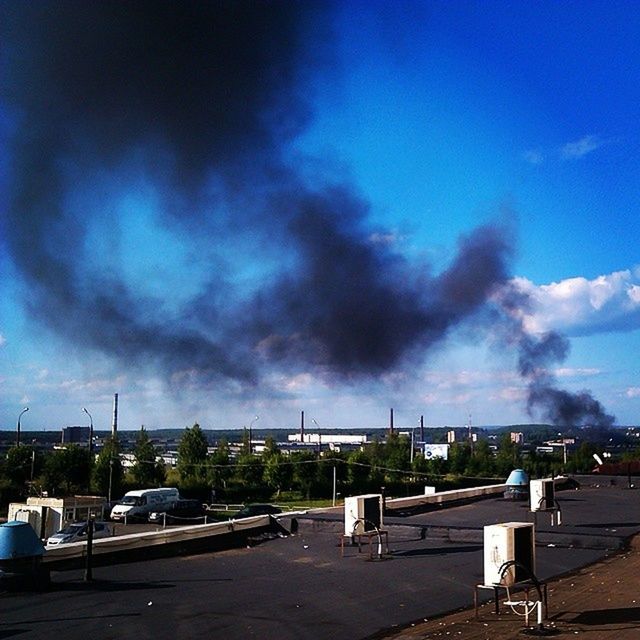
(77, 532)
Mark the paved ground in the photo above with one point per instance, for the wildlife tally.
(300, 587)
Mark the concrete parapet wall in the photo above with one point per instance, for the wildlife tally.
(155, 544)
(445, 497)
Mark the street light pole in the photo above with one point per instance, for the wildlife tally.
(18, 430)
(251, 434)
(90, 433)
(33, 460)
(110, 477)
(90, 447)
(319, 437)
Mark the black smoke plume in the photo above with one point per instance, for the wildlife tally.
(210, 95)
(537, 354)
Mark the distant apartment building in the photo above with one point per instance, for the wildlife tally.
(75, 435)
(517, 437)
(451, 436)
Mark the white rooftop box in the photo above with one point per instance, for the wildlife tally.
(542, 493)
(513, 543)
(362, 513)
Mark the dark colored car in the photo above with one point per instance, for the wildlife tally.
(184, 511)
(257, 510)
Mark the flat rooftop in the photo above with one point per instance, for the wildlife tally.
(300, 587)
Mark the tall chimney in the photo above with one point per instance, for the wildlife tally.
(114, 426)
(421, 428)
(302, 426)
(390, 420)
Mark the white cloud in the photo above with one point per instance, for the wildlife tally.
(299, 382)
(509, 394)
(568, 372)
(581, 307)
(573, 150)
(633, 392)
(581, 147)
(458, 399)
(3, 340)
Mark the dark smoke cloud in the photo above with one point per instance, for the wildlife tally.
(214, 86)
(537, 354)
(208, 97)
(356, 306)
(567, 409)
(215, 89)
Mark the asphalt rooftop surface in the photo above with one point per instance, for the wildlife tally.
(301, 587)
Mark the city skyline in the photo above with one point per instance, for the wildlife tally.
(336, 208)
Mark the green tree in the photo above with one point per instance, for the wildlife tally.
(17, 471)
(433, 466)
(459, 456)
(147, 470)
(396, 452)
(325, 475)
(305, 471)
(278, 474)
(482, 461)
(508, 457)
(249, 471)
(220, 470)
(66, 471)
(192, 455)
(108, 473)
(582, 461)
(18, 464)
(358, 471)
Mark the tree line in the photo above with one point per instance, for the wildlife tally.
(391, 466)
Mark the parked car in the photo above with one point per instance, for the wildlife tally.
(184, 511)
(77, 532)
(257, 510)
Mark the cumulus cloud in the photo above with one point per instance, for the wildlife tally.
(578, 306)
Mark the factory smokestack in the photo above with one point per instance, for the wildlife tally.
(390, 420)
(114, 425)
(302, 426)
(421, 428)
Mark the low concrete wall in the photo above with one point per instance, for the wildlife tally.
(444, 498)
(156, 544)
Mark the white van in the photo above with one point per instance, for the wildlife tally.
(140, 503)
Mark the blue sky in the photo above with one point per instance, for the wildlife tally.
(441, 118)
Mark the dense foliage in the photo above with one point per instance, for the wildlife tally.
(212, 474)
